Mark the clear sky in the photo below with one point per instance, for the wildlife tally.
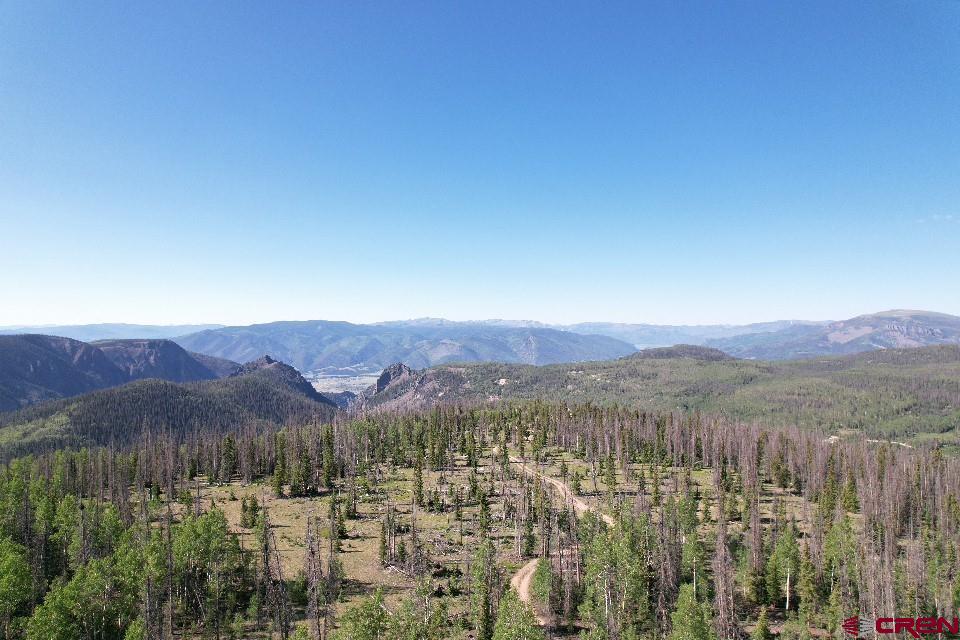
(670, 162)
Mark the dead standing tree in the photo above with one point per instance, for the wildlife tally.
(274, 588)
(314, 574)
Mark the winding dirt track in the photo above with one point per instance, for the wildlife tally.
(580, 506)
(522, 579)
(520, 582)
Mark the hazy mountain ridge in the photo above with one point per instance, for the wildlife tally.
(109, 330)
(695, 352)
(35, 368)
(645, 336)
(267, 368)
(893, 329)
(776, 340)
(221, 367)
(342, 346)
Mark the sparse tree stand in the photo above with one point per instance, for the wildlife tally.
(65, 515)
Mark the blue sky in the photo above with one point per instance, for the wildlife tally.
(691, 162)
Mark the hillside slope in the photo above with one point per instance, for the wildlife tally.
(163, 359)
(34, 368)
(265, 392)
(342, 347)
(900, 393)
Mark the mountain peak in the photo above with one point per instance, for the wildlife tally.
(262, 362)
(267, 367)
(394, 373)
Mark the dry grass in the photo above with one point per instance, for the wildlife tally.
(441, 532)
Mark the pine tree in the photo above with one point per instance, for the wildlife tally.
(782, 568)
(515, 620)
(762, 630)
(418, 481)
(314, 575)
(691, 619)
(610, 477)
(807, 590)
(483, 519)
(575, 483)
(529, 541)
(383, 544)
(485, 581)
(279, 479)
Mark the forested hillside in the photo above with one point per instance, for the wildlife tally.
(510, 523)
(263, 393)
(896, 393)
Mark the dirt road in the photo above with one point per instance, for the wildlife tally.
(580, 505)
(522, 579)
(521, 583)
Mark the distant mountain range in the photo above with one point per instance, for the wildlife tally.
(641, 336)
(345, 348)
(34, 368)
(329, 348)
(342, 348)
(791, 339)
(109, 331)
(645, 336)
(895, 329)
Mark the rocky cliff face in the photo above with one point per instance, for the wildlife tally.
(394, 374)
